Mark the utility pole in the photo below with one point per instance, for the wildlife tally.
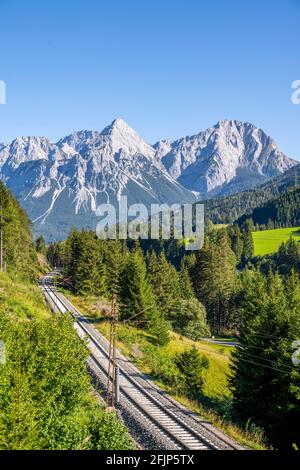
(113, 376)
(113, 371)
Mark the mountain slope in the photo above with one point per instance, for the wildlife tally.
(19, 256)
(62, 185)
(283, 211)
(231, 156)
(228, 209)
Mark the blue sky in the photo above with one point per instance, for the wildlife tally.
(169, 68)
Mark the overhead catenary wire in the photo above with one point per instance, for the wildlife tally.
(265, 366)
(266, 335)
(268, 360)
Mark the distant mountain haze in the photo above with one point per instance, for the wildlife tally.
(61, 185)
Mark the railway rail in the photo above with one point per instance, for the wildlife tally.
(178, 427)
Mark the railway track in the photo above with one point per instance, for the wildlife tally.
(175, 423)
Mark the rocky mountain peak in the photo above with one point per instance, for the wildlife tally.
(61, 185)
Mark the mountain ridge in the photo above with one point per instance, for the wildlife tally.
(62, 184)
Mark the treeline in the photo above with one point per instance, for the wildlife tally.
(228, 209)
(148, 286)
(207, 293)
(174, 287)
(283, 211)
(18, 255)
(284, 261)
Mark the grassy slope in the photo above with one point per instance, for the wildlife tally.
(137, 345)
(21, 299)
(268, 241)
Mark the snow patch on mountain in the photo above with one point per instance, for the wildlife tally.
(61, 185)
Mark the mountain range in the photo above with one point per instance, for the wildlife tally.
(62, 184)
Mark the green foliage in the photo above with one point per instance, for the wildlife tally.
(228, 209)
(164, 280)
(45, 400)
(40, 245)
(215, 280)
(248, 246)
(283, 211)
(137, 299)
(107, 433)
(114, 253)
(265, 382)
(175, 297)
(190, 319)
(236, 240)
(191, 364)
(19, 256)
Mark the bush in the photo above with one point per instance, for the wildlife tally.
(45, 390)
(191, 363)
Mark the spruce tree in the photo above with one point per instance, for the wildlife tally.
(192, 364)
(248, 246)
(40, 245)
(165, 283)
(265, 383)
(215, 280)
(137, 299)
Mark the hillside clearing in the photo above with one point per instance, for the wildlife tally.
(268, 241)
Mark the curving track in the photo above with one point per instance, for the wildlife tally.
(173, 424)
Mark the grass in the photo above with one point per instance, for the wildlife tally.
(158, 363)
(268, 241)
(21, 300)
(220, 226)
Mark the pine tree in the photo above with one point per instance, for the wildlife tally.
(191, 365)
(19, 255)
(265, 384)
(114, 259)
(186, 288)
(164, 280)
(90, 271)
(248, 246)
(137, 299)
(236, 241)
(40, 245)
(215, 280)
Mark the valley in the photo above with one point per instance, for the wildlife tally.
(179, 300)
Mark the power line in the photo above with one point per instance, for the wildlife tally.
(265, 335)
(262, 365)
(268, 360)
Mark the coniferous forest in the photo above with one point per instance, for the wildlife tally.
(219, 290)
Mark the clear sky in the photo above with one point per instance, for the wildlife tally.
(170, 68)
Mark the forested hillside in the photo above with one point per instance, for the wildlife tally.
(146, 283)
(283, 211)
(46, 396)
(228, 209)
(19, 256)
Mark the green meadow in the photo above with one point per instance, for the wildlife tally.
(268, 241)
